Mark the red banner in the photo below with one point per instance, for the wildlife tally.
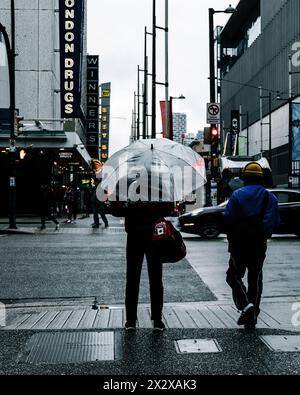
(163, 117)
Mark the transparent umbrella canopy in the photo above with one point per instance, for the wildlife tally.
(153, 170)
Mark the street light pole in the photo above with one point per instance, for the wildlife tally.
(153, 126)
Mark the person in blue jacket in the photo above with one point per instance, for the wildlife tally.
(251, 216)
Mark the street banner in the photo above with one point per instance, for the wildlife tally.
(71, 25)
(105, 121)
(163, 117)
(92, 116)
(295, 131)
(213, 113)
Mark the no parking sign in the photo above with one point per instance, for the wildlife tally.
(213, 113)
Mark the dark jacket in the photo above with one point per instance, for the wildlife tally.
(247, 202)
(141, 216)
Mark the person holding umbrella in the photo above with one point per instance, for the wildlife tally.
(143, 181)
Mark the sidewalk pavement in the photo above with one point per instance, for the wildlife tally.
(31, 226)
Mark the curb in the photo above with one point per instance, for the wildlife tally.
(15, 232)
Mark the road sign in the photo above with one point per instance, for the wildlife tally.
(213, 113)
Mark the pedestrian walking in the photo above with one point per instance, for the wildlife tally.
(48, 205)
(98, 208)
(139, 223)
(251, 216)
(87, 199)
(72, 197)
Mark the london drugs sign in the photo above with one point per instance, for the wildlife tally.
(71, 22)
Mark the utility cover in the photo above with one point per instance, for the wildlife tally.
(282, 343)
(186, 346)
(70, 347)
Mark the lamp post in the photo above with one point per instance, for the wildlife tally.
(171, 113)
(10, 49)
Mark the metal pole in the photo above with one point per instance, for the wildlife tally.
(153, 130)
(12, 148)
(138, 103)
(167, 66)
(290, 77)
(261, 118)
(247, 132)
(145, 89)
(134, 115)
(212, 56)
(171, 118)
(270, 129)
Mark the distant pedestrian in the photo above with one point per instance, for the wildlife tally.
(140, 218)
(251, 216)
(87, 200)
(98, 208)
(71, 199)
(47, 205)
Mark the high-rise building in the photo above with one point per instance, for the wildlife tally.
(179, 126)
(256, 44)
(50, 95)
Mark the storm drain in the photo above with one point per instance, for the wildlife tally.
(282, 343)
(70, 347)
(192, 346)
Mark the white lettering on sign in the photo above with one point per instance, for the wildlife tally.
(69, 62)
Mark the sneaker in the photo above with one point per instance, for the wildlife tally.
(130, 326)
(95, 226)
(69, 221)
(158, 326)
(248, 316)
(73, 222)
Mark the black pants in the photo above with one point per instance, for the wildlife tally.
(99, 208)
(72, 215)
(246, 256)
(47, 214)
(138, 246)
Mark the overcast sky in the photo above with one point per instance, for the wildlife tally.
(116, 34)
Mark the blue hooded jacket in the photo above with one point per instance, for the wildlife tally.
(247, 201)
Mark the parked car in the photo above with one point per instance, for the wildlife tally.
(208, 222)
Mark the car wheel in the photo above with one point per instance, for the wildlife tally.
(210, 231)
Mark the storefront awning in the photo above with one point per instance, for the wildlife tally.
(49, 140)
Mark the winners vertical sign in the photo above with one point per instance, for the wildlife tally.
(92, 138)
(105, 120)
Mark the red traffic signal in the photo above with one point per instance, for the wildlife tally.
(214, 132)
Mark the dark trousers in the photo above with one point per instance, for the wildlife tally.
(47, 214)
(99, 208)
(72, 210)
(137, 247)
(246, 256)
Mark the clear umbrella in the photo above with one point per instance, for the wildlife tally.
(153, 170)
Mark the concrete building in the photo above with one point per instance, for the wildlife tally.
(255, 47)
(55, 147)
(179, 126)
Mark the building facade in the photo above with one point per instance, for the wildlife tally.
(55, 147)
(255, 47)
(179, 124)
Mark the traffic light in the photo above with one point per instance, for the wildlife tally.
(22, 154)
(214, 138)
